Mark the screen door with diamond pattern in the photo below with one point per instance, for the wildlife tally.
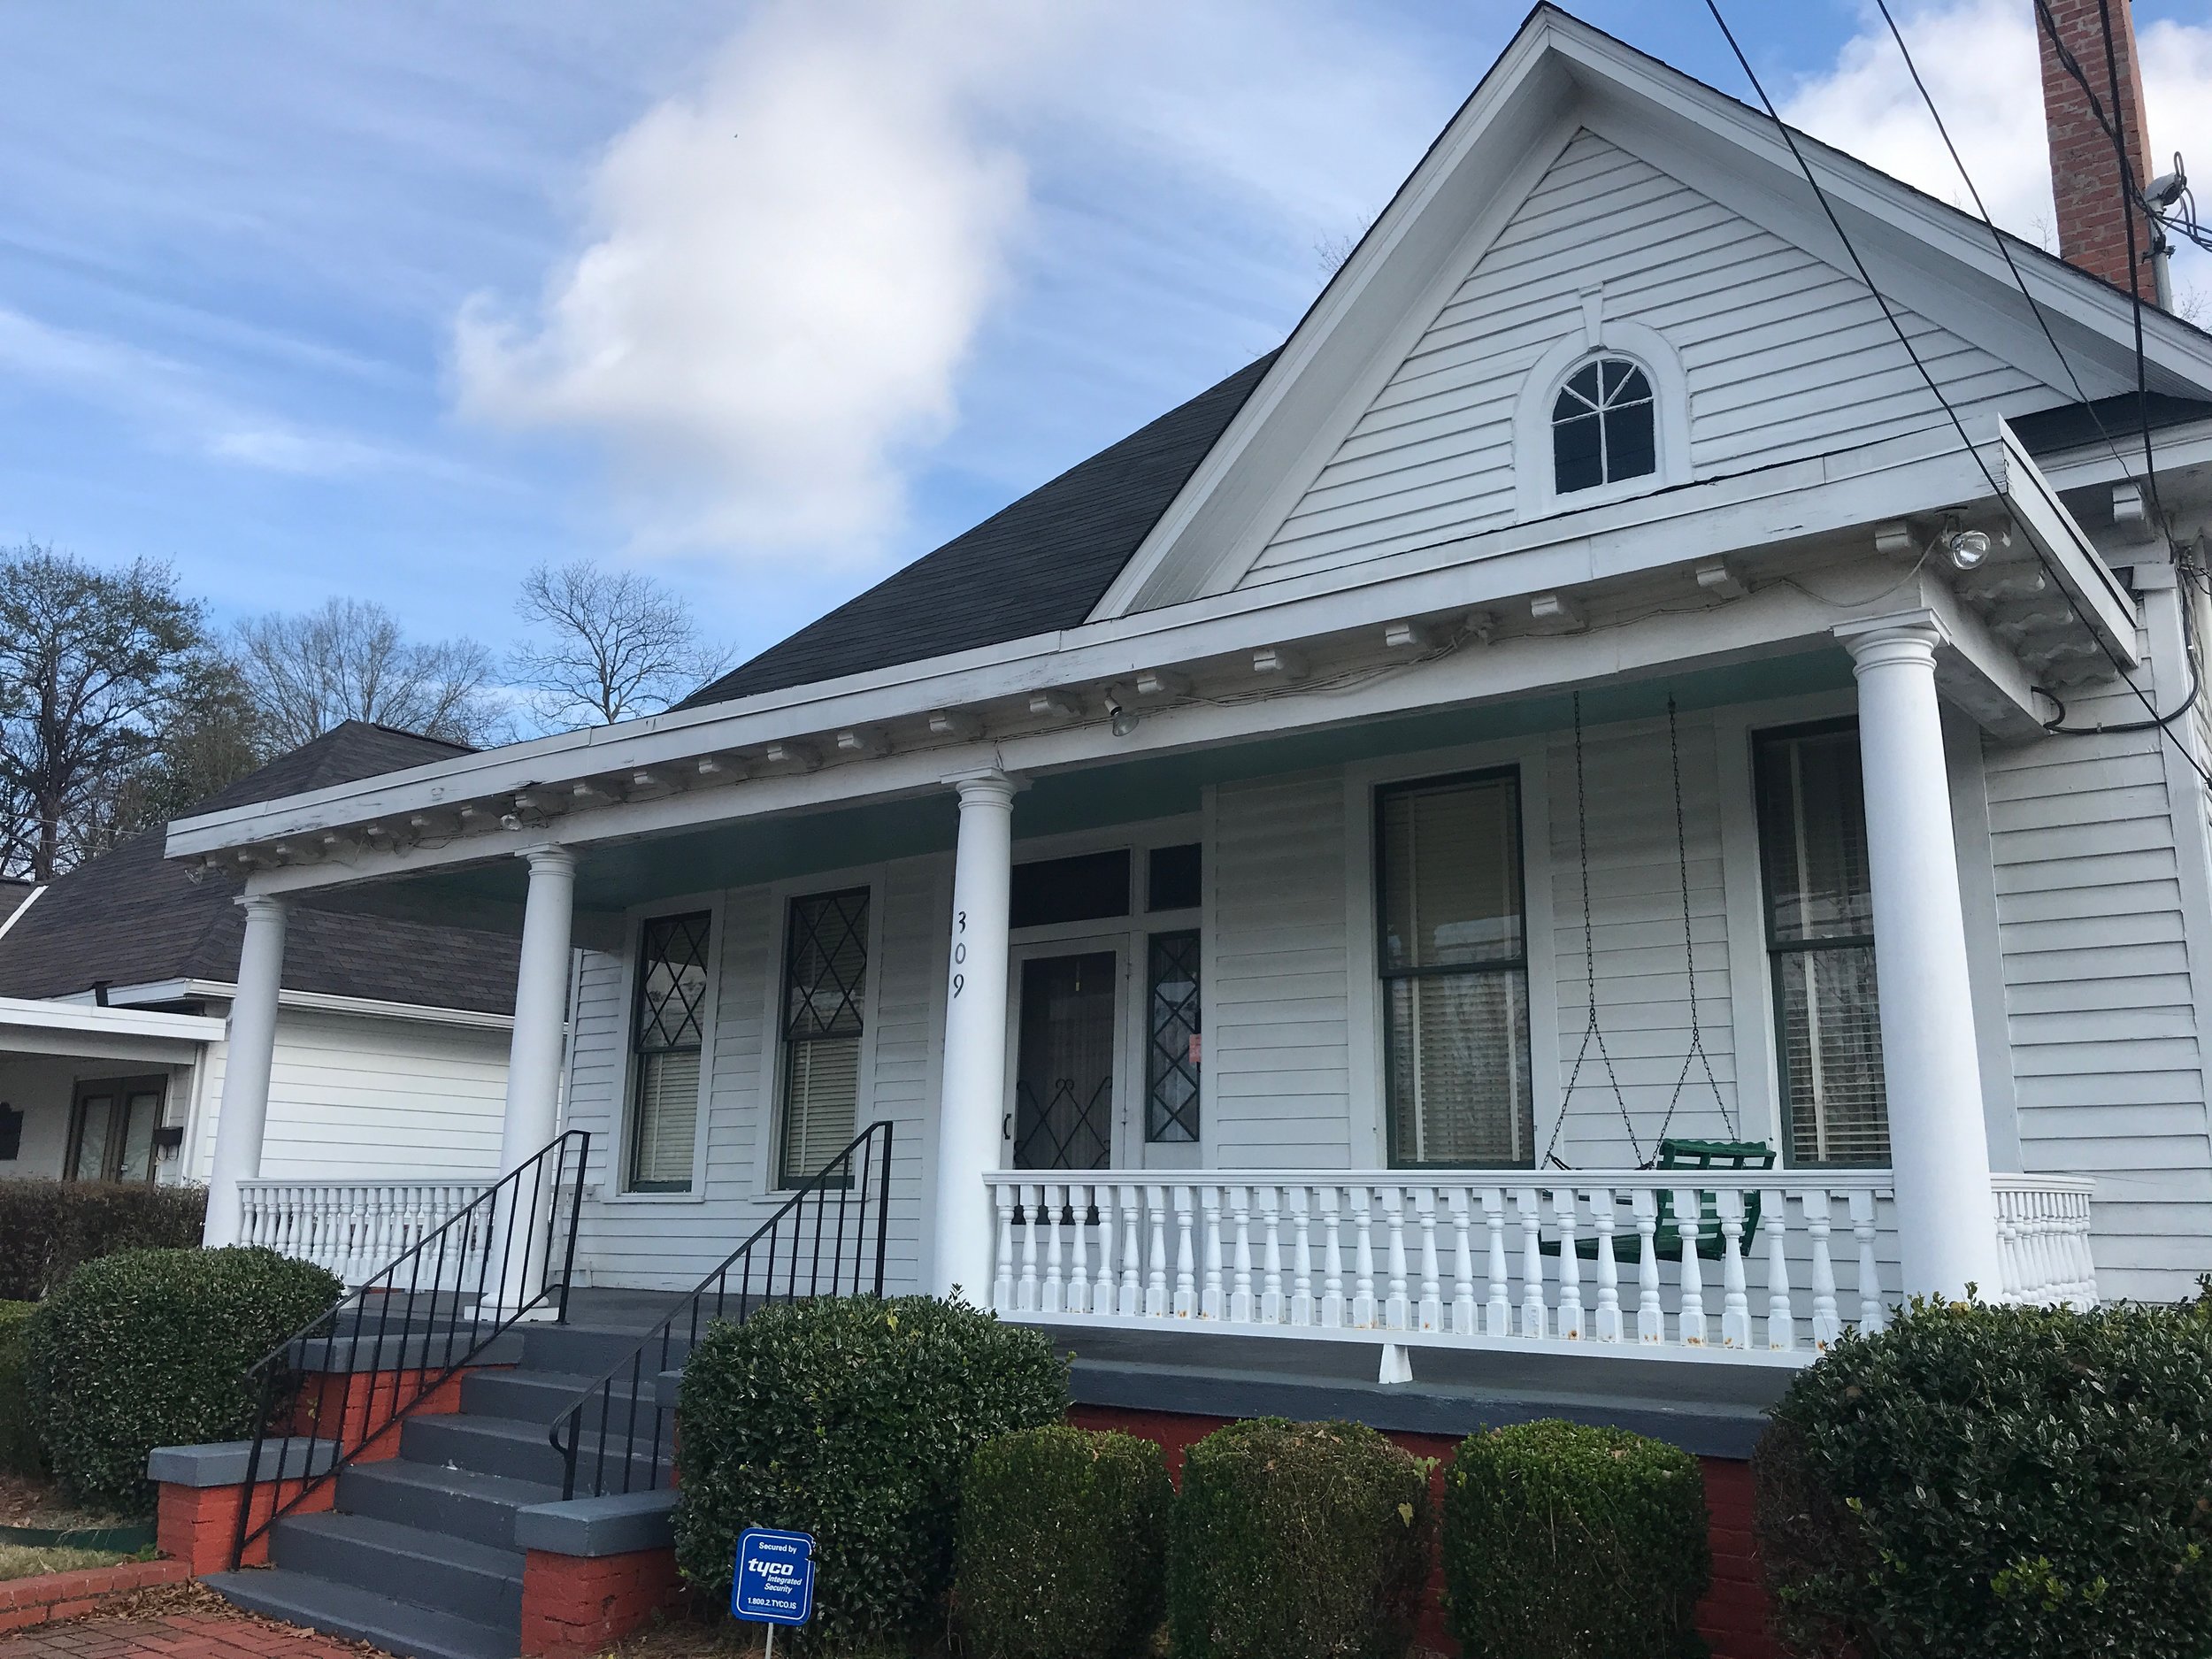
(1064, 1074)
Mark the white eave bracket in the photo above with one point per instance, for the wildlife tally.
(2034, 504)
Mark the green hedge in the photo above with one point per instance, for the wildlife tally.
(1997, 1483)
(1061, 1551)
(1298, 1540)
(19, 1446)
(852, 1419)
(49, 1229)
(1562, 1541)
(146, 1348)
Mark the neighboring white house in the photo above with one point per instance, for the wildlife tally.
(116, 981)
(1285, 875)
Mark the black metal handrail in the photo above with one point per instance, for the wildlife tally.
(849, 1199)
(422, 1319)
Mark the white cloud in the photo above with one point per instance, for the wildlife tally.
(1980, 62)
(783, 270)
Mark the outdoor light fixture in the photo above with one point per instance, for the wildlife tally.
(1125, 720)
(1965, 549)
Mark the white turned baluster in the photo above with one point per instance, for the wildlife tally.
(1781, 1317)
(1498, 1312)
(1211, 1301)
(1651, 1316)
(1186, 1262)
(1873, 1316)
(1362, 1257)
(1462, 1263)
(1827, 1318)
(1156, 1304)
(1098, 1296)
(1271, 1257)
(1032, 1201)
(1688, 1221)
(1332, 1260)
(1735, 1305)
(1397, 1304)
(1301, 1310)
(1240, 1263)
(1430, 1315)
(1078, 1297)
(1535, 1317)
(1604, 1220)
(1054, 1297)
(1562, 1201)
(1130, 1301)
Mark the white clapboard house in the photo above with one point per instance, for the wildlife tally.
(385, 1074)
(1564, 806)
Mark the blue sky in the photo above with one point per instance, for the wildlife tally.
(392, 302)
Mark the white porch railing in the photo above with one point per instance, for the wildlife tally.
(2043, 1242)
(356, 1228)
(1482, 1258)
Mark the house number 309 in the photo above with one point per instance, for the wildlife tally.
(959, 951)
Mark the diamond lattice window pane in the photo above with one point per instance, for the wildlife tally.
(826, 974)
(672, 983)
(1172, 1026)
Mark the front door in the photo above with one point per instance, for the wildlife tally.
(112, 1129)
(1063, 1071)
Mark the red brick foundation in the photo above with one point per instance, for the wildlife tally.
(1732, 1617)
(580, 1604)
(196, 1525)
(59, 1596)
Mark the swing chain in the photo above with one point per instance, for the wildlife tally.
(1696, 1054)
(1591, 1031)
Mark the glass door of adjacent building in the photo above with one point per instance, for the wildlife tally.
(112, 1124)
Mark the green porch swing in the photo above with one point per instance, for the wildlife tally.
(1670, 1152)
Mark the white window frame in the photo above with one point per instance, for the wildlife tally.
(1535, 492)
(616, 1189)
(767, 1162)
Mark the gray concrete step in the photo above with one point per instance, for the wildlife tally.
(521, 1449)
(359, 1614)
(432, 1569)
(460, 1501)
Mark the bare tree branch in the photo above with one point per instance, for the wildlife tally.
(347, 660)
(611, 645)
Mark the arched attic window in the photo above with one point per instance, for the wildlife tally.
(1603, 427)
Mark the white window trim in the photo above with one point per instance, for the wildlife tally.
(615, 1188)
(1534, 495)
(1365, 1024)
(767, 1163)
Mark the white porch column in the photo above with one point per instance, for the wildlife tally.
(972, 1097)
(1946, 1217)
(249, 1053)
(534, 1053)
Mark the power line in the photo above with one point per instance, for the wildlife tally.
(1959, 425)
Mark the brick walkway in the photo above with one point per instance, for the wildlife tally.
(195, 1635)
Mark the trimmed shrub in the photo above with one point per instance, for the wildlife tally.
(1061, 1552)
(1562, 1541)
(18, 1447)
(1298, 1540)
(49, 1229)
(1996, 1483)
(149, 1349)
(852, 1419)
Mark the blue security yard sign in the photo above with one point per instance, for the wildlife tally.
(774, 1580)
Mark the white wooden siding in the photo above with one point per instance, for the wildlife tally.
(669, 1241)
(2108, 1063)
(1276, 1011)
(1785, 356)
(355, 1094)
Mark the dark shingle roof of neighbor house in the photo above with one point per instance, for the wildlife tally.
(130, 917)
(1033, 567)
(2121, 419)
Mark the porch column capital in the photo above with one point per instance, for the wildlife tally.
(553, 858)
(249, 1056)
(1946, 1215)
(986, 785)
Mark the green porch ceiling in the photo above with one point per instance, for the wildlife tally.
(614, 879)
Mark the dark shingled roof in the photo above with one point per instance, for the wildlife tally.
(1033, 567)
(2071, 426)
(130, 917)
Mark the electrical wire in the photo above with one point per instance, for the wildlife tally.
(1958, 424)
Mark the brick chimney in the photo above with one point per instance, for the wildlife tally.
(2093, 232)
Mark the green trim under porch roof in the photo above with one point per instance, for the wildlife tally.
(612, 878)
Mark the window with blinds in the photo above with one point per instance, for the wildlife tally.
(826, 985)
(1820, 942)
(1454, 958)
(667, 1030)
